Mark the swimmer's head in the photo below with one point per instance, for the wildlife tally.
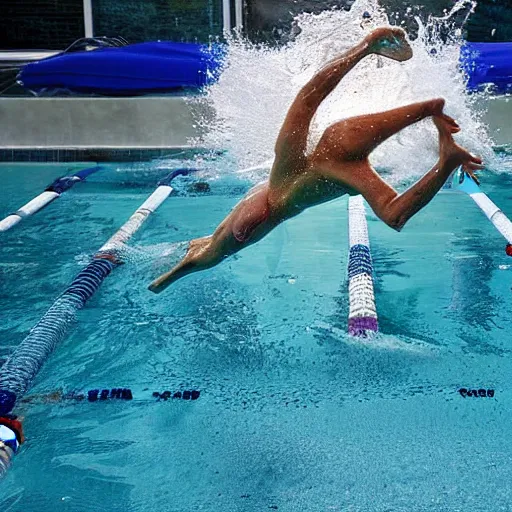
(390, 42)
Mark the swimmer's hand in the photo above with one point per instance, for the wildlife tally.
(162, 282)
(450, 153)
(389, 42)
(469, 163)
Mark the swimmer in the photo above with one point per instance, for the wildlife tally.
(338, 165)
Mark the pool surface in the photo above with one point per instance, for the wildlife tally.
(293, 414)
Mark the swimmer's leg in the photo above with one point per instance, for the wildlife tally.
(356, 137)
(396, 209)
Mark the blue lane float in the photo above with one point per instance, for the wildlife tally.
(20, 369)
(52, 192)
(488, 64)
(153, 67)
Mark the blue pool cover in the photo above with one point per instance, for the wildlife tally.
(488, 63)
(129, 70)
(163, 66)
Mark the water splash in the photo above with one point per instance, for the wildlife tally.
(259, 84)
(379, 341)
(144, 259)
(156, 255)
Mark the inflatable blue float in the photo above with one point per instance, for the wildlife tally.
(488, 64)
(155, 67)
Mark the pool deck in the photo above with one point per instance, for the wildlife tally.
(132, 129)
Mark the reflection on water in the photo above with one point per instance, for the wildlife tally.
(474, 305)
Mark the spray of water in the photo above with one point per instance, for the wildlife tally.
(167, 254)
(259, 84)
(379, 341)
(146, 259)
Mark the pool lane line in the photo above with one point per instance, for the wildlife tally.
(117, 394)
(362, 317)
(22, 366)
(465, 183)
(49, 195)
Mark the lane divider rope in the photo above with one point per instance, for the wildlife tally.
(362, 317)
(464, 183)
(22, 366)
(52, 192)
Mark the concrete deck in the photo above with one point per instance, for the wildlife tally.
(98, 129)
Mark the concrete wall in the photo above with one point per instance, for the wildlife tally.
(96, 122)
(99, 129)
(106, 129)
(498, 113)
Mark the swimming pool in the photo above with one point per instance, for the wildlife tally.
(293, 415)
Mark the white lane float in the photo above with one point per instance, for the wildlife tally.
(464, 183)
(51, 193)
(362, 318)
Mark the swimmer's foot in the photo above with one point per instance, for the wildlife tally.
(390, 42)
(446, 123)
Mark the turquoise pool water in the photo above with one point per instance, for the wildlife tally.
(293, 415)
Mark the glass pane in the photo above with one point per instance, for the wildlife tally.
(175, 20)
(40, 24)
